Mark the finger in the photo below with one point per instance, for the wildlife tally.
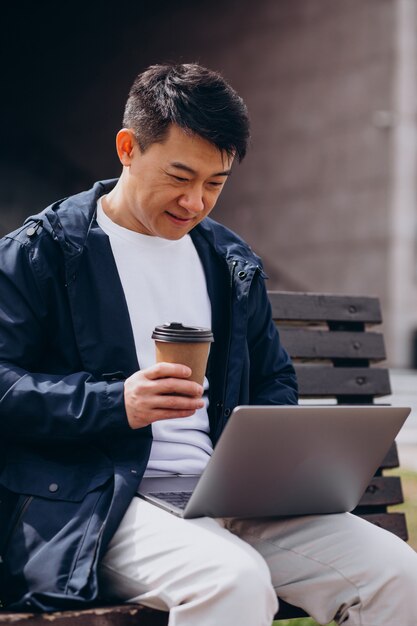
(165, 370)
(177, 386)
(177, 403)
(152, 403)
(166, 415)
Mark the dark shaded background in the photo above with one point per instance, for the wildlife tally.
(62, 99)
(67, 69)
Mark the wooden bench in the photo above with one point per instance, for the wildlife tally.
(334, 351)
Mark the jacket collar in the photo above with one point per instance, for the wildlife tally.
(69, 220)
(226, 243)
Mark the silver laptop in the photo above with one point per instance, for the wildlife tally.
(284, 461)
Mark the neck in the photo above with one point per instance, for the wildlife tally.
(114, 203)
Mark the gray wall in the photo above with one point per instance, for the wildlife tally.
(312, 196)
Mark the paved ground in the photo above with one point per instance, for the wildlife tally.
(408, 456)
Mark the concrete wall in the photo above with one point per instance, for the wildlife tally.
(313, 194)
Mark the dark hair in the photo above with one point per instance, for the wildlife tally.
(193, 97)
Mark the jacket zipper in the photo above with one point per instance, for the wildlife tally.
(221, 404)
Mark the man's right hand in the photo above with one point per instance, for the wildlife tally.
(161, 392)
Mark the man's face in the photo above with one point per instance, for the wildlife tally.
(172, 186)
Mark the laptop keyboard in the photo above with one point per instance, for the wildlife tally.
(177, 498)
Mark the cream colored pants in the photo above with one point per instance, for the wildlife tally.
(228, 572)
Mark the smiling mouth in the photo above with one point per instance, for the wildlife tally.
(179, 219)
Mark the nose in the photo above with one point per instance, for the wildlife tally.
(192, 200)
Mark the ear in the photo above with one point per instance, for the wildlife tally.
(125, 145)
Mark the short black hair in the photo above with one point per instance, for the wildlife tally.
(198, 100)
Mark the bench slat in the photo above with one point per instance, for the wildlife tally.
(121, 615)
(322, 308)
(382, 491)
(391, 458)
(320, 381)
(321, 344)
(394, 522)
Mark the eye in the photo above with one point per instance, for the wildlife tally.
(179, 179)
(215, 184)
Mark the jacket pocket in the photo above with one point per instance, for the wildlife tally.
(57, 519)
(52, 482)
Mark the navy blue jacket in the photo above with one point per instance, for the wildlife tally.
(69, 462)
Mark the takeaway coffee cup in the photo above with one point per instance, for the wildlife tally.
(188, 345)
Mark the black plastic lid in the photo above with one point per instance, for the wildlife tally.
(176, 332)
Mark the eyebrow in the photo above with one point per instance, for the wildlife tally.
(190, 170)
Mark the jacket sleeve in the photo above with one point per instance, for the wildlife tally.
(272, 378)
(35, 404)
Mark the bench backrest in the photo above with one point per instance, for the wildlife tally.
(336, 352)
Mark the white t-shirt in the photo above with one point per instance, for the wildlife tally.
(163, 281)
